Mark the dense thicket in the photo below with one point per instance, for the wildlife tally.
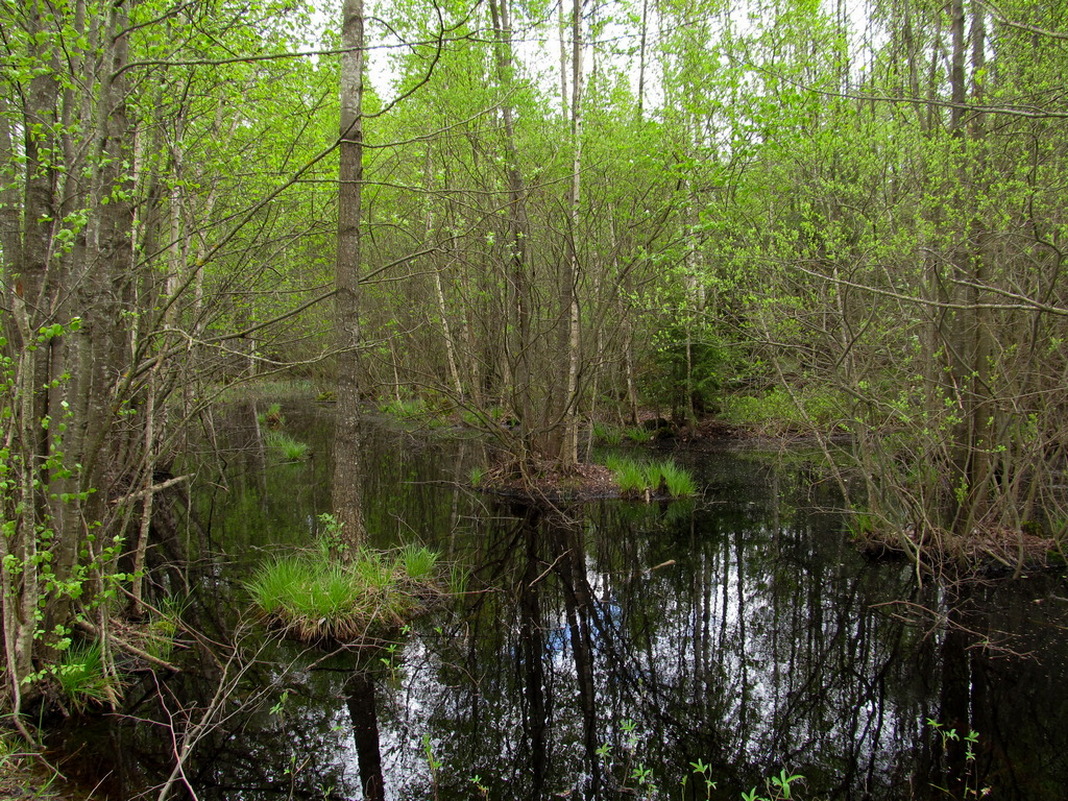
(571, 212)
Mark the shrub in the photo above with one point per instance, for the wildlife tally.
(776, 410)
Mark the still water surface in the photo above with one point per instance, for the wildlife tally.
(600, 650)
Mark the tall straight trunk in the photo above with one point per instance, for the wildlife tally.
(642, 58)
(561, 29)
(569, 300)
(519, 346)
(10, 224)
(439, 290)
(27, 255)
(347, 490)
(981, 410)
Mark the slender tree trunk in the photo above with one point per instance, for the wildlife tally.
(439, 291)
(347, 490)
(642, 58)
(569, 300)
(519, 346)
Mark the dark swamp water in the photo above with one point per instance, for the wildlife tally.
(595, 654)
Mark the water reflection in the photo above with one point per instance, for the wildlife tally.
(602, 649)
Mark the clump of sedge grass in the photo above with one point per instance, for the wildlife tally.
(272, 417)
(477, 476)
(675, 480)
(629, 475)
(418, 562)
(607, 433)
(639, 434)
(285, 447)
(82, 678)
(654, 479)
(316, 599)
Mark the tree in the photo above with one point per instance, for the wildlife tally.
(133, 257)
(347, 475)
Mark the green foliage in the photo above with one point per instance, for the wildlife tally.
(630, 476)
(677, 482)
(25, 775)
(776, 788)
(457, 580)
(689, 370)
(636, 779)
(419, 562)
(160, 632)
(313, 596)
(608, 434)
(652, 479)
(286, 447)
(776, 411)
(704, 771)
(272, 417)
(51, 566)
(949, 739)
(267, 390)
(477, 476)
(416, 410)
(639, 434)
(82, 676)
(404, 408)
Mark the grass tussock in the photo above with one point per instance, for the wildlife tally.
(608, 434)
(286, 447)
(82, 677)
(272, 417)
(316, 599)
(651, 480)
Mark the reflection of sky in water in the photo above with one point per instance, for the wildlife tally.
(742, 630)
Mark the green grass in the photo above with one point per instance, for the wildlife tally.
(480, 418)
(629, 475)
(404, 408)
(418, 562)
(81, 677)
(639, 434)
(477, 476)
(676, 481)
(607, 433)
(26, 774)
(286, 447)
(272, 417)
(655, 479)
(159, 635)
(267, 389)
(313, 598)
(416, 410)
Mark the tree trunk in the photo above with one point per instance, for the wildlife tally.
(519, 346)
(347, 490)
